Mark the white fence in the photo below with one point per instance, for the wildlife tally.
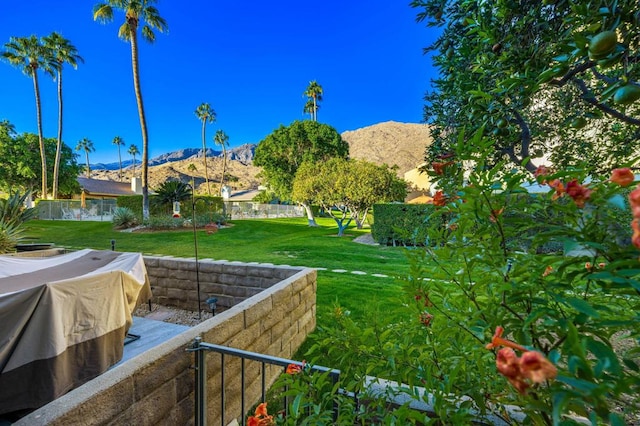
(251, 210)
(94, 210)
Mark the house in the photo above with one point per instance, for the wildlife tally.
(96, 188)
(419, 185)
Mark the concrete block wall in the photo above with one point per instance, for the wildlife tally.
(174, 281)
(157, 387)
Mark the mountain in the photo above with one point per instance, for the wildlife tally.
(392, 143)
(243, 154)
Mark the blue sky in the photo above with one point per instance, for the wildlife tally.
(250, 60)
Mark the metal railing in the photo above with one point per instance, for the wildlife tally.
(91, 210)
(200, 350)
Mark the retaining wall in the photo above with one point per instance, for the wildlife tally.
(157, 387)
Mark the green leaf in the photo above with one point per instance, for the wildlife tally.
(582, 306)
(580, 385)
(295, 406)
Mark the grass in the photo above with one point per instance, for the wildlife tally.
(278, 241)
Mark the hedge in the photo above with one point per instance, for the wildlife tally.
(204, 205)
(401, 224)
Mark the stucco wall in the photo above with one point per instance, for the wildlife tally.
(157, 387)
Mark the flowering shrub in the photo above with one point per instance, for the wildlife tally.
(569, 310)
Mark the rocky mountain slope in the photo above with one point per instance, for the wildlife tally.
(392, 143)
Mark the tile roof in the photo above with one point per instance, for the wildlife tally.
(104, 187)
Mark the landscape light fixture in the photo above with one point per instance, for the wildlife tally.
(212, 304)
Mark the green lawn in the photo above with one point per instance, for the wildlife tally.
(277, 241)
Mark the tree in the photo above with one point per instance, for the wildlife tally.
(222, 140)
(205, 113)
(136, 12)
(538, 77)
(314, 93)
(60, 51)
(309, 108)
(347, 189)
(118, 141)
(133, 151)
(28, 54)
(87, 146)
(170, 191)
(283, 151)
(20, 166)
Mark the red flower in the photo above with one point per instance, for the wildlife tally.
(558, 186)
(260, 417)
(294, 369)
(623, 176)
(493, 217)
(541, 172)
(634, 200)
(426, 318)
(547, 271)
(439, 199)
(579, 193)
(531, 367)
(438, 167)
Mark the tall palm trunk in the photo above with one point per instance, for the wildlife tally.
(120, 163)
(315, 109)
(56, 165)
(204, 155)
(86, 154)
(143, 124)
(43, 157)
(224, 166)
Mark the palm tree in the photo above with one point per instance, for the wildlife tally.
(136, 12)
(309, 107)
(28, 54)
(222, 140)
(87, 146)
(60, 51)
(314, 91)
(133, 151)
(118, 141)
(205, 113)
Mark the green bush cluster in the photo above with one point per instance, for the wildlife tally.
(401, 224)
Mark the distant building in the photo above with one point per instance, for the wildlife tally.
(96, 188)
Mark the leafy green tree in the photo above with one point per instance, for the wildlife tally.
(118, 141)
(86, 145)
(556, 78)
(222, 140)
(206, 114)
(314, 92)
(29, 55)
(20, 167)
(136, 12)
(283, 151)
(347, 189)
(59, 51)
(133, 151)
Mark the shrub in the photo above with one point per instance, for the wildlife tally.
(123, 218)
(13, 210)
(10, 236)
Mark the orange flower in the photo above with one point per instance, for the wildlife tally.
(623, 176)
(426, 318)
(540, 174)
(535, 367)
(588, 266)
(261, 417)
(634, 200)
(532, 366)
(579, 193)
(294, 369)
(493, 217)
(547, 271)
(498, 340)
(558, 186)
(439, 199)
(438, 167)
